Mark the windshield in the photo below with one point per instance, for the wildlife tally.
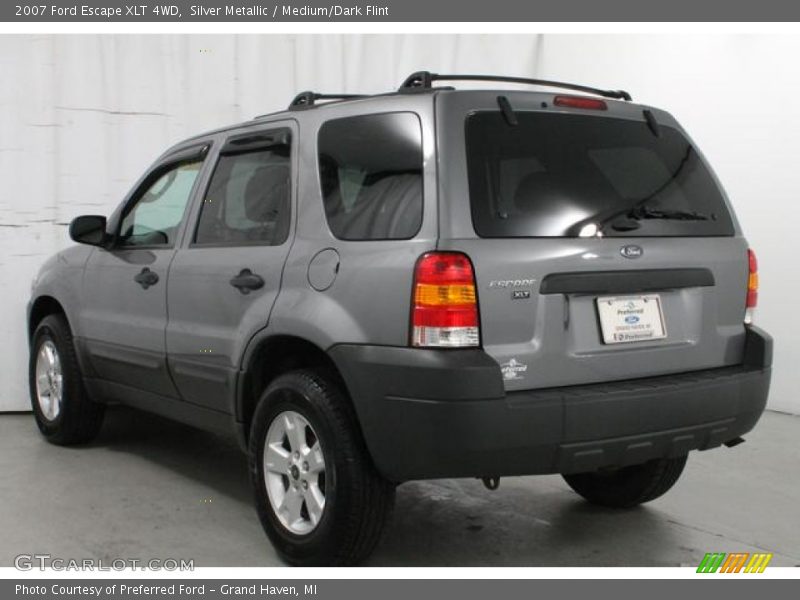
(566, 175)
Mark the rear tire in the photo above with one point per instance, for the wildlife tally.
(629, 486)
(63, 411)
(320, 500)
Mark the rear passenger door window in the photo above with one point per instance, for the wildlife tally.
(371, 176)
(248, 199)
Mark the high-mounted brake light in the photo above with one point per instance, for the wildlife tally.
(752, 287)
(445, 304)
(580, 102)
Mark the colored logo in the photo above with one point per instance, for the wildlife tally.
(735, 562)
(631, 319)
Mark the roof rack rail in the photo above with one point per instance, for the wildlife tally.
(309, 99)
(424, 80)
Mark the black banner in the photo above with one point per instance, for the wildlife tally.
(396, 11)
(732, 588)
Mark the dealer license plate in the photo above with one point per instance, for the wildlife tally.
(631, 318)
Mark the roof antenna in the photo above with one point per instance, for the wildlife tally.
(508, 111)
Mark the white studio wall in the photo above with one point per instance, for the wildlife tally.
(83, 116)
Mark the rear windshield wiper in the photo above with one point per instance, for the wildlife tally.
(644, 212)
(630, 220)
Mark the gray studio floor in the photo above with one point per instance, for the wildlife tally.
(149, 488)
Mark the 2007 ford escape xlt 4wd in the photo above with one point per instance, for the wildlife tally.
(428, 283)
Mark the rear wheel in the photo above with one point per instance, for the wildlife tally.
(318, 495)
(628, 486)
(63, 411)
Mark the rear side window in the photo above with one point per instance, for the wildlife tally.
(564, 175)
(371, 176)
(248, 199)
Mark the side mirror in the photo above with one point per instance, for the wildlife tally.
(88, 229)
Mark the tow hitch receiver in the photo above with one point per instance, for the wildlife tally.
(491, 483)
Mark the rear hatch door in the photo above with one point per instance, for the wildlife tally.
(603, 245)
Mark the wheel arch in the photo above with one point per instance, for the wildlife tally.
(42, 307)
(271, 357)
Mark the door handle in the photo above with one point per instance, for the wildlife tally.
(246, 281)
(146, 278)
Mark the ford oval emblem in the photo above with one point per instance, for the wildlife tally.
(631, 251)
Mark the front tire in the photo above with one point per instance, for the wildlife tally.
(628, 486)
(318, 495)
(63, 410)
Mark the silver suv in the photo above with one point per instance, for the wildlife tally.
(426, 283)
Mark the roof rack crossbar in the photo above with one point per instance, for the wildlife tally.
(308, 99)
(425, 79)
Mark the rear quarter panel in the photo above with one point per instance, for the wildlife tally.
(369, 299)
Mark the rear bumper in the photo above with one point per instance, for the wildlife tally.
(429, 413)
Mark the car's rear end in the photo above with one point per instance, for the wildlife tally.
(589, 301)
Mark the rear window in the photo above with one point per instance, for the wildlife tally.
(371, 176)
(558, 175)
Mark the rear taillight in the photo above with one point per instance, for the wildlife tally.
(752, 287)
(445, 304)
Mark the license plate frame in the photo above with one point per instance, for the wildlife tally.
(631, 318)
